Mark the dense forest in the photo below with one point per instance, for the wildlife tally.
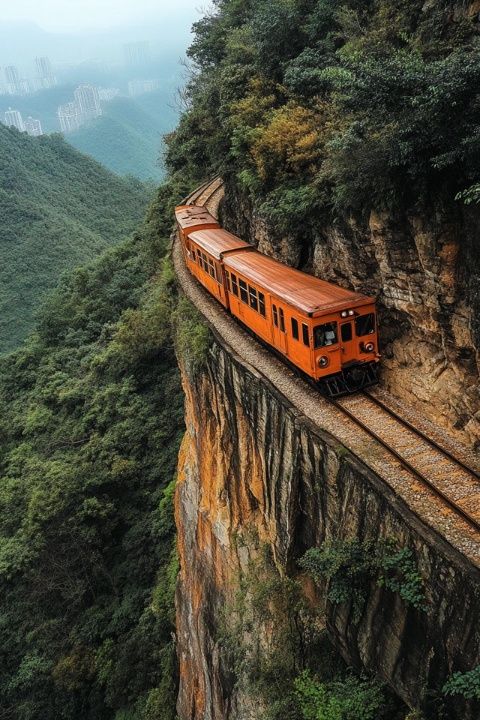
(319, 108)
(58, 209)
(91, 417)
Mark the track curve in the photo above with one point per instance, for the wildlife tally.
(447, 500)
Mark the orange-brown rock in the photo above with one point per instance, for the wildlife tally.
(253, 475)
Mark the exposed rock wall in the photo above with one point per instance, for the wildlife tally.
(425, 271)
(254, 473)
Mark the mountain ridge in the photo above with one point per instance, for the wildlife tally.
(59, 209)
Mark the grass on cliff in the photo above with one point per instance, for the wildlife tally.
(58, 209)
(91, 415)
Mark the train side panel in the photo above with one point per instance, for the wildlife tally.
(320, 346)
(208, 271)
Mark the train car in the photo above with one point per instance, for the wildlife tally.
(326, 331)
(205, 251)
(190, 218)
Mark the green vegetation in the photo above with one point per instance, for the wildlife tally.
(350, 698)
(91, 415)
(466, 684)
(58, 209)
(193, 337)
(127, 139)
(321, 108)
(351, 566)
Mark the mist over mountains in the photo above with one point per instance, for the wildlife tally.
(21, 42)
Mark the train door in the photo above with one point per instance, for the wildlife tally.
(279, 331)
(347, 342)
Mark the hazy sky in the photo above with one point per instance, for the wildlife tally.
(66, 15)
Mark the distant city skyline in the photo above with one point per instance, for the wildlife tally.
(32, 126)
(58, 16)
(12, 82)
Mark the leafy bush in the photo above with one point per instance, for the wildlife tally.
(351, 566)
(350, 698)
(193, 337)
(466, 684)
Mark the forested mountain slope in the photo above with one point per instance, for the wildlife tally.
(90, 421)
(58, 209)
(127, 139)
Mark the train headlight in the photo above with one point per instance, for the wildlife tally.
(323, 361)
(344, 313)
(351, 312)
(369, 347)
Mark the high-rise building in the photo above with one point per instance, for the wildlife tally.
(15, 85)
(13, 118)
(107, 94)
(33, 127)
(45, 76)
(137, 54)
(140, 87)
(88, 101)
(69, 117)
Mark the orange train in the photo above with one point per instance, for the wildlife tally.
(328, 332)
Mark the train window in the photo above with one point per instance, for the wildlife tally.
(218, 273)
(234, 285)
(261, 303)
(229, 284)
(275, 315)
(253, 297)
(306, 339)
(243, 291)
(346, 331)
(295, 328)
(282, 320)
(211, 268)
(365, 324)
(325, 334)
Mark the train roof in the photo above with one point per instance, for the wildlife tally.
(305, 292)
(189, 216)
(218, 242)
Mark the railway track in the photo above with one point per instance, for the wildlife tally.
(449, 477)
(441, 473)
(205, 193)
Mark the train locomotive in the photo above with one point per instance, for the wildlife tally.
(327, 332)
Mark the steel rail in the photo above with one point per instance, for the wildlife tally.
(405, 463)
(423, 435)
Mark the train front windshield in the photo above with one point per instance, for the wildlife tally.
(325, 334)
(365, 324)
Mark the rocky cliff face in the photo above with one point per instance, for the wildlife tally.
(425, 272)
(257, 486)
